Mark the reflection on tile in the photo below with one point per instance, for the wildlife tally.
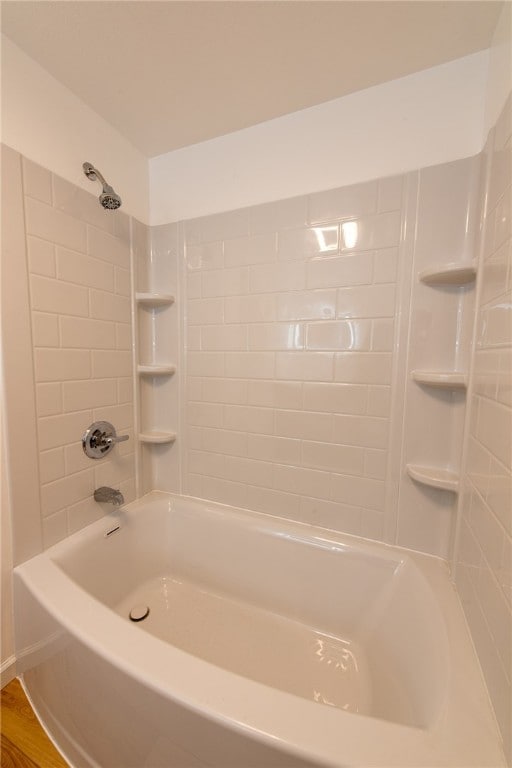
(278, 336)
(343, 335)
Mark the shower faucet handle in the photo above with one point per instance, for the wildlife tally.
(115, 439)
(99, 439)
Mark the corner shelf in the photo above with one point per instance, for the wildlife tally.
(157, 437)
(449, 274)
(154, 300)
(441, 379)
(156, 370)
(435, 477)
(149, 302)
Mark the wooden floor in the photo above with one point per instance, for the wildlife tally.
(24, 744)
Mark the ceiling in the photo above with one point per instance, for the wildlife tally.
(170, 74)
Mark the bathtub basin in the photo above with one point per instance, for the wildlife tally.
(267, 643)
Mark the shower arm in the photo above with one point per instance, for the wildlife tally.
(92, 173)
(109, 198)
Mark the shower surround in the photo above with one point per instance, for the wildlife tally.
(68, 360)
(301, 323)
(296, 329)
(484, 567)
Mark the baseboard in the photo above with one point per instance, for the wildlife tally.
(7, 671)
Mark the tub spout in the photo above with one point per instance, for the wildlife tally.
(109, 495)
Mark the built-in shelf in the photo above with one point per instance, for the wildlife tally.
(157, 437)
(155, 386)
(449, 274)
(154, 299)
(443, 379)
(156, 370)
(435, 477)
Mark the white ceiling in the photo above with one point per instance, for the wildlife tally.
(169, 74)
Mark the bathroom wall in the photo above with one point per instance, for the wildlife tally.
(43, 121)
(424, 119)
(47, 123)
(298, 354)
(439, 332)
(499, 79)
(484, 567)
(251, 351)
(7, 661)
(290, 332)
(159, 342)
(67, 322)
(483, 560)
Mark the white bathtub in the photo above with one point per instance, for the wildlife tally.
(268, 643)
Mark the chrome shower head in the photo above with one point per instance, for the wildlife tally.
(108, 198)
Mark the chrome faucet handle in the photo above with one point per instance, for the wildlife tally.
(111, 440)
(99, 439)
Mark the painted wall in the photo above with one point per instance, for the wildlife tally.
(428, 118)
(499, 81)
(7, 661)
(47, 123)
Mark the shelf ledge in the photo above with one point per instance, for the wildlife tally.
(154, 299)
(156, 370)
(157, 437)
(435, 477)
(443, 379)
(449, 274)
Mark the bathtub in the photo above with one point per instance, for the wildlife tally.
(267, 644)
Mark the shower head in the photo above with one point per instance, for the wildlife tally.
(108, 198)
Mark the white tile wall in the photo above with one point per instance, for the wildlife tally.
(484, 570)
(79, 272)
(290, 311)
(289, 365)
(440, 328)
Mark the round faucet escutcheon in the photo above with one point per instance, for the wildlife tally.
(99, 439)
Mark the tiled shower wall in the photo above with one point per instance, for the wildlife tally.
(484, 572)
(301, 327)
(80, 306)
(290, 332)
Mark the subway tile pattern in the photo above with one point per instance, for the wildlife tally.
(290, 314)
(484, 568)
(80, 288)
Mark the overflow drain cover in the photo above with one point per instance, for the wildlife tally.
(139, 612)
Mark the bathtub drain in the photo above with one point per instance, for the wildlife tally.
(139, 612)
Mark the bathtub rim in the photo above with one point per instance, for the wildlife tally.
(362, 737)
